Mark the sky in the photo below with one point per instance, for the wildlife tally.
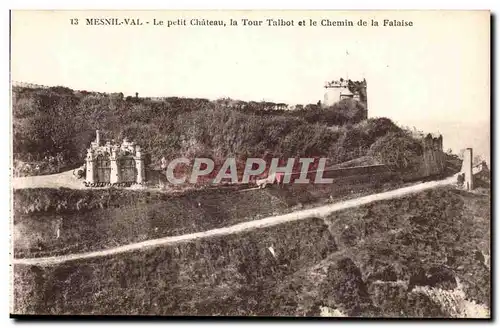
(434, 75)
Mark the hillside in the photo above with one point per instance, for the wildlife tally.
(99, 219)
(53, 127)
(424, 255)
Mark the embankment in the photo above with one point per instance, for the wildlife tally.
(97, 219)
(282, 270)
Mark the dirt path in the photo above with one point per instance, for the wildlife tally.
(317, 212)
(58, 180)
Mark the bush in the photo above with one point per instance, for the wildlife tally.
(397, 150)
(344, 288)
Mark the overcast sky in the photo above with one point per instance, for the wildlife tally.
(434, 74)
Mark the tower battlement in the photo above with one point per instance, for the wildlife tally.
(337, 84)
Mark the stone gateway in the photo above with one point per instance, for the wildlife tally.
(114, 164)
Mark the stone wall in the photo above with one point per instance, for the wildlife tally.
(432, 162)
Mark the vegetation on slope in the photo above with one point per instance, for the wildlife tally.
(398, 151)
(224, 275)
(56, 125)
(99, 219)
(369, 261)
(437, 240)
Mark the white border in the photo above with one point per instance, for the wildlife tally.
(186, 4)
(255, 4)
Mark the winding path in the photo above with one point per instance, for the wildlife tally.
(317, 212)
(58, 180)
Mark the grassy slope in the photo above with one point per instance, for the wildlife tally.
(177, 127)
(98, 219)
(440, 233)
(237, 275)
(194, 278)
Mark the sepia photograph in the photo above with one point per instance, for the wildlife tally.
(250, 163)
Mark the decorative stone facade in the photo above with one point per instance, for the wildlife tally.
(112, 163)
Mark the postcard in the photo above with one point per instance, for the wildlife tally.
(251, 163)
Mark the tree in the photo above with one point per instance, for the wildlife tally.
(311, 107)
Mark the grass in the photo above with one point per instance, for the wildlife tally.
(98, 219)
(193, 278)
(378, 256)
(438, 233)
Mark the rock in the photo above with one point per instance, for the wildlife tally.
(385, 273)
(478, 255)
(345, 288)
(441, 277)
(419, 305)
(437, 277)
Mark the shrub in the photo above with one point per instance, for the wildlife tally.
(397, 150)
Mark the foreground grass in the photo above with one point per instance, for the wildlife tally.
(419, 256)
(363, 262)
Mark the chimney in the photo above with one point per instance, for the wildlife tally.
(97, 138)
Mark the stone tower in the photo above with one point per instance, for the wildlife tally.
(139, 165)
(90, 163)
(335, 91)
(114, 176)
(343, 89)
